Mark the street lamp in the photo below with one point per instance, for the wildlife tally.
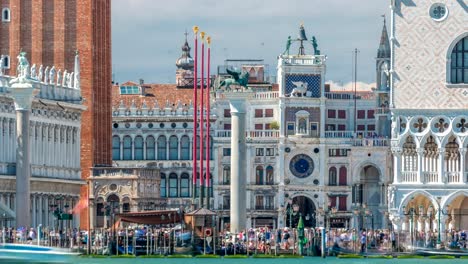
(413, 212)
(440, 211)
(291, 210)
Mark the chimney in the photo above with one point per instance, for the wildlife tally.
(142, 88)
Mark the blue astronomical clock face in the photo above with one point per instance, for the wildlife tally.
(301, 166)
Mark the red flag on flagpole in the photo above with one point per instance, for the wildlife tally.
(195, 110)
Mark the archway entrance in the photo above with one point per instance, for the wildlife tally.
(300, 206)
(420, 221)
(457, 211)
(369, 193)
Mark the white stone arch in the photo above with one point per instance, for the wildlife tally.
(451, 197)
(305, 194)
(357, 170)
(405, 137)
(444, 141)
(405, 200)
(423, 140)
(448, 56)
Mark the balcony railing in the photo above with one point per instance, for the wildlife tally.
(348, 96)
(339, 134)
(453, 177)
(267, 134)
(430, 177)
(266, 95)
(409, 176)
(381, 111)
(371, 142)
(125, 172)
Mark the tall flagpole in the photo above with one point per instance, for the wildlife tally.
(195, 110)
(208, 148)
(202, 111)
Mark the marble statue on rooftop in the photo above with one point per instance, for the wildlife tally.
(59, 76)
(52, 75)
(288, 45)
(33, 71)
(22, 70)
(64, 77)
(46, 75)
(70, 79)
(40, 74)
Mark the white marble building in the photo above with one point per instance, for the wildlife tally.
(55, 124)
(429, 76)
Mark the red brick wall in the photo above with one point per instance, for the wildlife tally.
(50, 31)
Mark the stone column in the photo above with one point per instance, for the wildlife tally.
(34, 210)
(462, 165)
(397, 164)
(22, 92)
(420, 152)
(238, 165)
(441, 173)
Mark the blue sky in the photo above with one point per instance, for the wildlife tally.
(147, 35)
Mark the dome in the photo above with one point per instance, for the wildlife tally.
(185, 61)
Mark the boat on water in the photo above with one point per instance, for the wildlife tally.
(446, 252)
(18, 253)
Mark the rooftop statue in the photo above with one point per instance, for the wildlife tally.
(288, 45)
(315, 45)
(238, 78)
(22, 69)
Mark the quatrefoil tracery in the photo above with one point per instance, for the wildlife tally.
(420, 125)
(441, 125)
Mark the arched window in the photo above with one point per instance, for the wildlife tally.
(173, 185)
(127, 148)
(259, 175)
(459, 62)
(173, 148)
(227, 175)
(6, 62)
(343, 176)
(150, 148)
(185, 148)
(332, 176)
(138, 148)
(211, 148)
(115, 148)
(163, 187)
(162, 146)
(269, 175)
(210, 186)
(6, 15)
(197, 152)
(184, 185)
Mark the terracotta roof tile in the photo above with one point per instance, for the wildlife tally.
(163, 94)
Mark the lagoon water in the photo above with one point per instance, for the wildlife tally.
(308, 260)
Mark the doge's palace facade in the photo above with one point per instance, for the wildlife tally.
(429, 106)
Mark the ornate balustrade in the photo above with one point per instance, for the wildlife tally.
(453, 176)
(409, 176)
(430, 177)
(339, 134)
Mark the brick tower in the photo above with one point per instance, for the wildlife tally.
(50, 31)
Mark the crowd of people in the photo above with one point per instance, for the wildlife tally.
(251, 241)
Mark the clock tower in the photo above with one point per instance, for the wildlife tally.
(302, 113)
